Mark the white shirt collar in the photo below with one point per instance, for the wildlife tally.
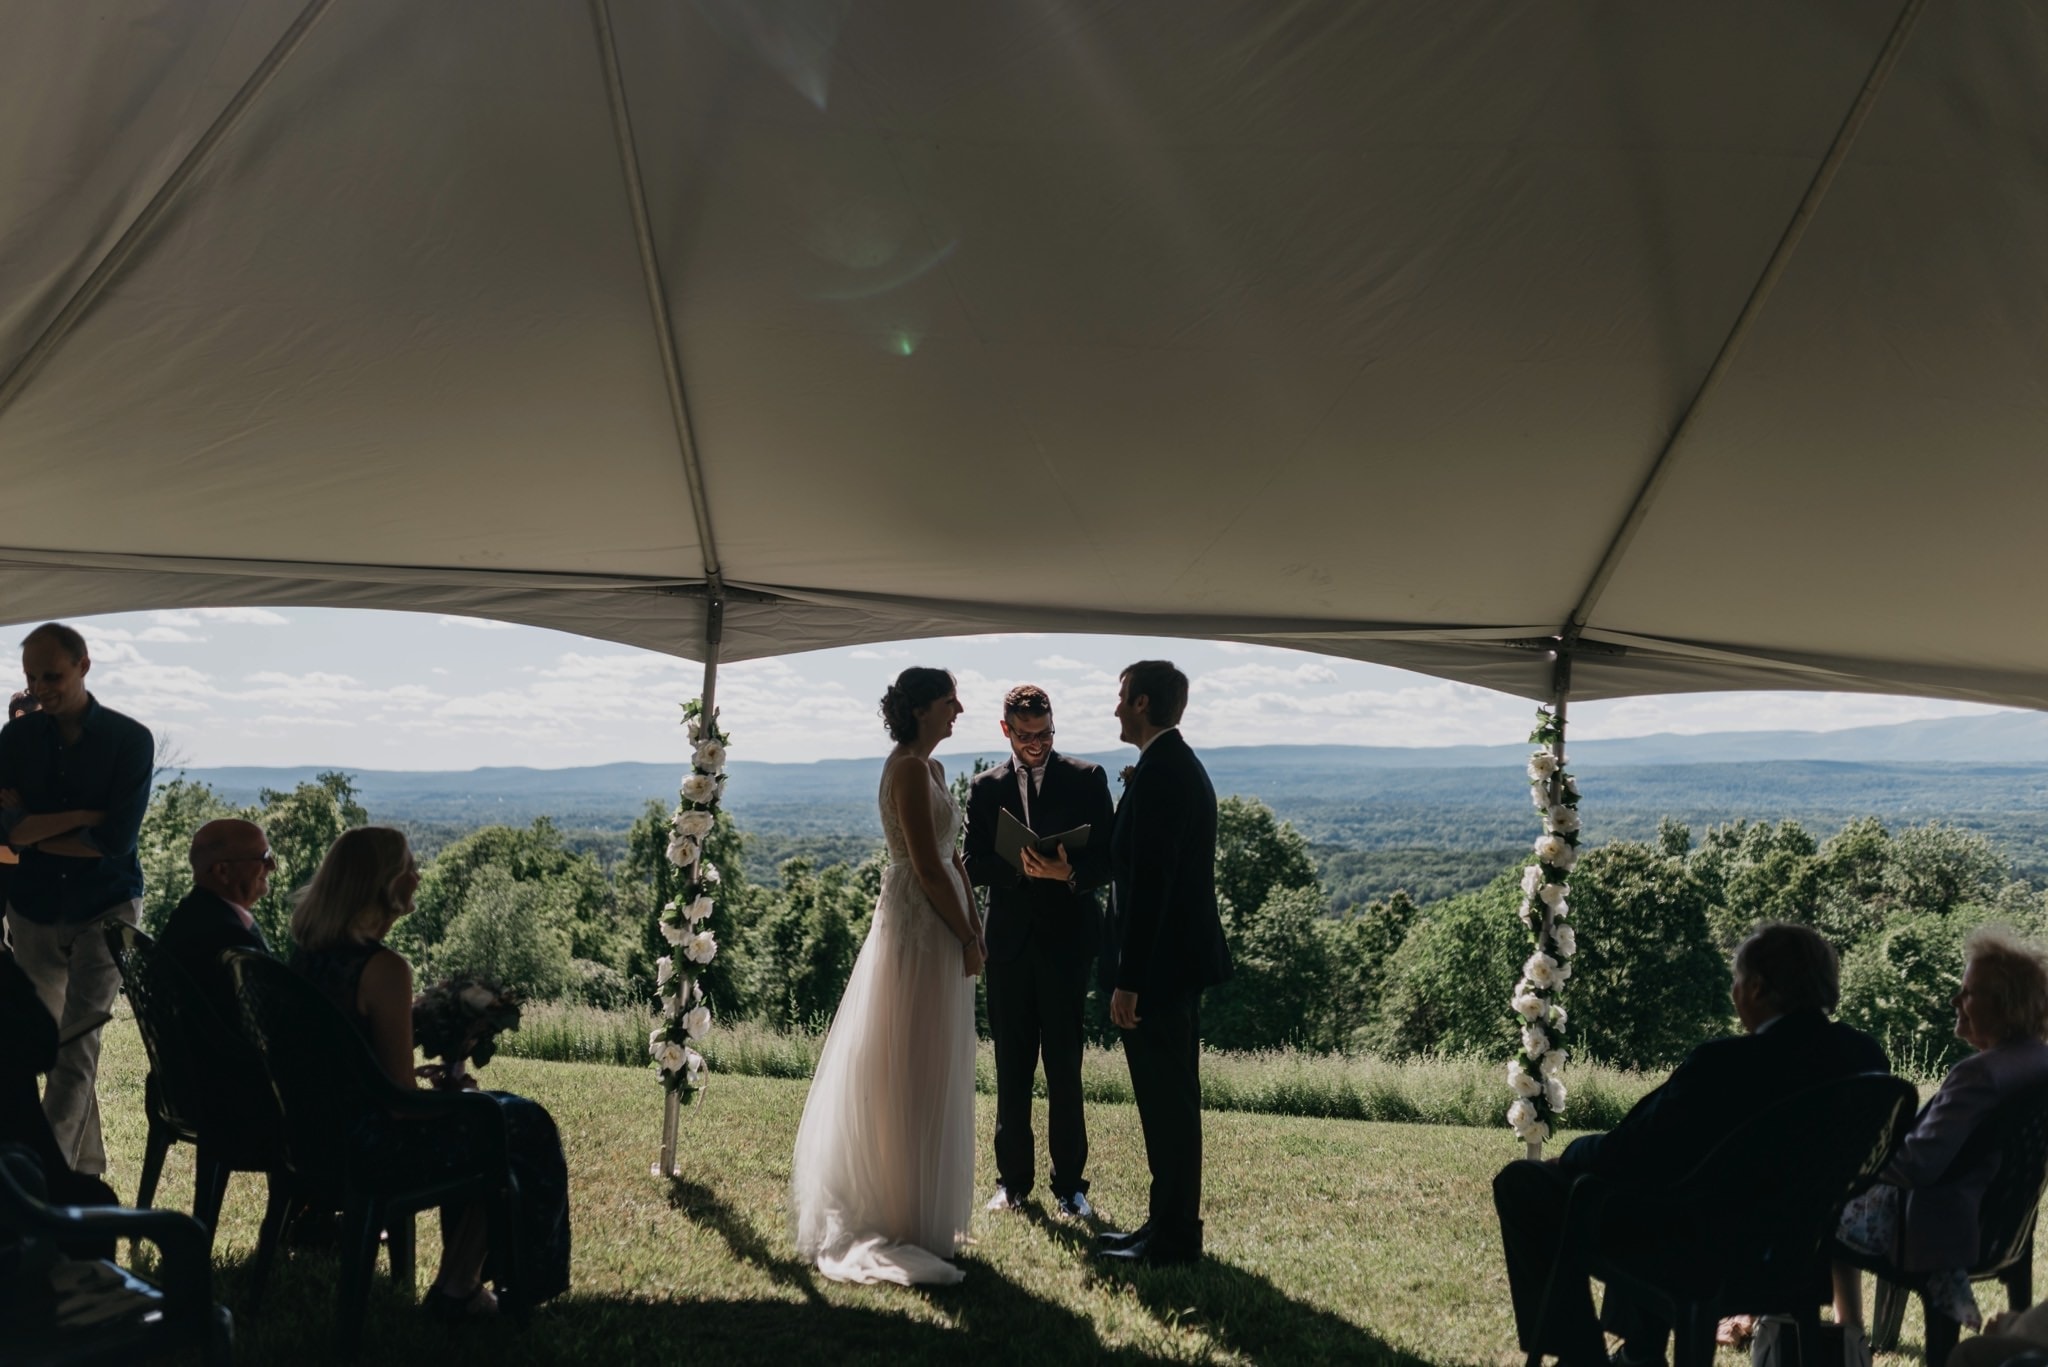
(1155, 736)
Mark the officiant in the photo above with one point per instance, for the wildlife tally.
(1043, 926)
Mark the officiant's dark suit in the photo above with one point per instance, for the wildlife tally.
(1791, 1046)
(1169, 947)
(1042, 935)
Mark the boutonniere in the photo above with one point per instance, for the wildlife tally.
(1125, 775)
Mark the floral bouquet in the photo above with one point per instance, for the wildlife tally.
(458, 1020)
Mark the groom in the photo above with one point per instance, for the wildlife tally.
(1042, 929)
(1169, 947)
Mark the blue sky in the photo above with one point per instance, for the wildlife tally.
(393, 690)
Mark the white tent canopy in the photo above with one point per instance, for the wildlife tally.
(1352, 325)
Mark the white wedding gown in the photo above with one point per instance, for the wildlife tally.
(882, 1186)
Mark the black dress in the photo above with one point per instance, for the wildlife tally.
(535, 1145)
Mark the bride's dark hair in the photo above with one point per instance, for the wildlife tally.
(914, 688)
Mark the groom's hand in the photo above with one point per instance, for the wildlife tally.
(1123, 1009)
(1037, 865)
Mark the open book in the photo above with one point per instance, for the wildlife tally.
(1013, 836)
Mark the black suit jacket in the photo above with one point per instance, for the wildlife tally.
(1163, 857)
(199, 929)
(1669, 1131)
(1021, 910)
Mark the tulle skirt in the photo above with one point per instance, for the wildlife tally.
(882, 1186)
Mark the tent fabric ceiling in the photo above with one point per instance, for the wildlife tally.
(1350, 325)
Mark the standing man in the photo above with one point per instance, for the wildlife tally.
(1042, 928)
(1164, 859)
(74, 783)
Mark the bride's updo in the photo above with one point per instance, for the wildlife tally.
(914, 688)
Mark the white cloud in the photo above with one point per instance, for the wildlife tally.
(1062, 663)
(158, 635)
(477, 623)
(176, 619)
(1237, 677)
(866, 653)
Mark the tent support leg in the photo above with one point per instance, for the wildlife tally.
(714, 635)
(1561, 688)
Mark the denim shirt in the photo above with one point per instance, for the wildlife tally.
(107, 769)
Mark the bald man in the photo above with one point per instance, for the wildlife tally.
(231, 864)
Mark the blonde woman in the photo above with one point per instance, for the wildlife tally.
(339, 922)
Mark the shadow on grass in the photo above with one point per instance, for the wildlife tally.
(1241, 1310)
(701, 1205)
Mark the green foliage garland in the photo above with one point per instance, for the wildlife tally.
(1536, 1077)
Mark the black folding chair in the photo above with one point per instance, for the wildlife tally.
(205, 1086)
(2017, 1133)
(55, 1309)
(359, 1143)
(1747, 1230)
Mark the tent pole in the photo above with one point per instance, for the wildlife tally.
(139, 228)
(1774, 269)
(1561, 688)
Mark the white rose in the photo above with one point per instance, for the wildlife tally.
(1551, 893)
(1532, 879)
(682, 851)
(703, 947)
(1539, 795)
(1567, 858)
(1564, 974)
(1554, 1094)
(697, 1022)
(1522, 1115)
(1536, 1132)
(1571, 785)
(1528, 1005)
(1557, 1018)
(700, 788)
(1541, 970)
(1564, 819)
(699, 909)
(1553, 1062)
(664, 969)
(1528, 914)
(708, 874)
(673, 933)
(1560, 911)
(1535, 1043)
(709, 758)
(654, 1038)
(694, 824)
(693, 1068)
(478, 997)
(1520, 1083)
(1552, 849)
(1542, 764)
(1565, 939)
(671, 1056)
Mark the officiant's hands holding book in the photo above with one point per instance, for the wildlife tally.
(1053, 867)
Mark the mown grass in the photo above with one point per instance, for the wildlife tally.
(1434, 1091)
(1331, 1241)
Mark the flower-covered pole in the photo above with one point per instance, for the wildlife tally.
(1536, 1076)
(684, 1018)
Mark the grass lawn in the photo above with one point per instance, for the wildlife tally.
(1331, 1241)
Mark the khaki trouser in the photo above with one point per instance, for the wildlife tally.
(76, 979)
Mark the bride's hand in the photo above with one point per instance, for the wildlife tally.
(974, 956)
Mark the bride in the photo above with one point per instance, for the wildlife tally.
(882, 1186)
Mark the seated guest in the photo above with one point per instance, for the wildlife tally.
(28, 1046)
(1922, 1214)
(231, 865)
(364, 885)
(1787, 980)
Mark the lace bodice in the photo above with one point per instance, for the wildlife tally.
(945, 820)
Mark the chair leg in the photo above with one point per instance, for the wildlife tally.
(1887, 1313)
(209, 1188)
(153, 1150)
(1942, 1333)
(2019, 1279)
(1693, 1338)
(276, 1210)
(401, 1242)
(1811, 1353)
(220, 1338)
(359, 1225)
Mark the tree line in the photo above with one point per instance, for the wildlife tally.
(1397, 975)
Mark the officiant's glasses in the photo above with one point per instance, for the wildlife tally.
(1023, 737)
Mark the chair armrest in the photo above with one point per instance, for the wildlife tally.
(185, 1269)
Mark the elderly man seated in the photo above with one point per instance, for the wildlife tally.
(1787, 980)
(231, 865)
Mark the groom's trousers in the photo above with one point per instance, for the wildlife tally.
(1037, 1000)
(1165, 1056)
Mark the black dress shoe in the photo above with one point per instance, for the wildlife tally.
(1155, 1251)
(1110, 1238)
